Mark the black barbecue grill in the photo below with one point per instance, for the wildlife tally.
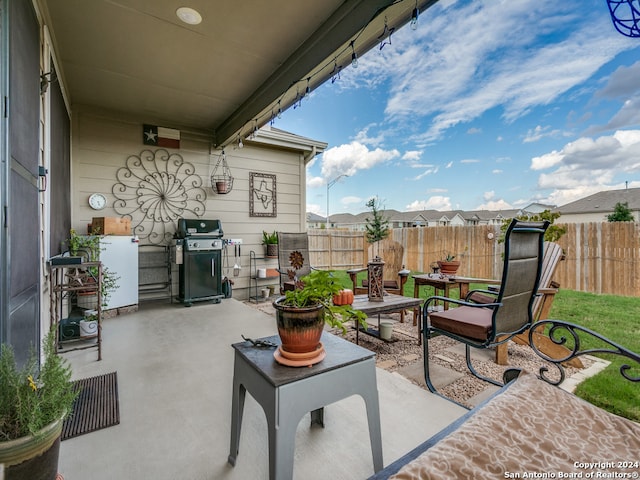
(198, 245)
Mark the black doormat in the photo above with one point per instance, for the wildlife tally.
(96, 406)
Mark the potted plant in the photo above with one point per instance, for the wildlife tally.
(88, 247)
(301, 313)
(270, 240)
(449, 266)
(34, 401)
(89, 324)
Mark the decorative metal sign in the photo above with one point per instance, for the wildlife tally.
(262, 195)
(154, 190)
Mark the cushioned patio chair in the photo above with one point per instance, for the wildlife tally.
(486, 325)
(394, 274)
(547, 290)
(288, 243)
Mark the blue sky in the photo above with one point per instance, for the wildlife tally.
(489, 104)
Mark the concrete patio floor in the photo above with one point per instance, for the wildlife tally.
(175, 367)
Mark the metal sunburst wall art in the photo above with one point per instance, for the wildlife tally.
(154, 190)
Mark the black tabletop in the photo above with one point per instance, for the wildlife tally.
(340, 353)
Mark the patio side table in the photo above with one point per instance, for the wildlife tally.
(286, 394)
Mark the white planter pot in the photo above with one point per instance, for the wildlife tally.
(88, 328)
(385, 330)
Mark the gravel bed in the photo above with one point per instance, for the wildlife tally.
(404, 351)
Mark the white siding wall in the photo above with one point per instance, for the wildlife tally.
(590, 217)
(583, 217)
(102, 142)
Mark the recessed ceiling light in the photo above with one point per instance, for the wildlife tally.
(189, 15)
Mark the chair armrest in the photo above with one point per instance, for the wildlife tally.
(481, 296)
(547, 291)
(458, 302)
(355, 270)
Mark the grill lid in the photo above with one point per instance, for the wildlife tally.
(199, 227)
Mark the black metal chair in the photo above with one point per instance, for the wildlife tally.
(486, 325)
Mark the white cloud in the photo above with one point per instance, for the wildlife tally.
(470, 160)
(363, 137)
(436, 202)
(496, 171)
(412, 155)
(495, 205)
(454, 68)
(489, 195)
(474, 131)
(350, 200)
(622, 83)
(314, 182)
(539, 132)
(588, 165)
(547, 160)
(429, 171)
(317, 209)
(350, 157)
(628, 115)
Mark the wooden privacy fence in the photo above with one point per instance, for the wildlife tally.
(600, 257)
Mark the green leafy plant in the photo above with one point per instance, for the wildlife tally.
(88, 247)
(269, 238)
(553, 233)
(31, 397)
(621, 213)
(319, 287)
(449, 256)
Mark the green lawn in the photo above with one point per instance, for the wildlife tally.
(614, 317)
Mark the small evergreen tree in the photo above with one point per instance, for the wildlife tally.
(378, 226)
(621, 213)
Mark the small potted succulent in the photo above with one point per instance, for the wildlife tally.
(449, 266)
(270, 241)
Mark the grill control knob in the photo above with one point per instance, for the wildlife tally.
(195, 244)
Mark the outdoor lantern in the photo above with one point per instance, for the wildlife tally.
(375, 288)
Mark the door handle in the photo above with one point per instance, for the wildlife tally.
(213, 267)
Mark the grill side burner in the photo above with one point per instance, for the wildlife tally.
(198, 246)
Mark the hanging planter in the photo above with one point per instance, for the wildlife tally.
(221, 178)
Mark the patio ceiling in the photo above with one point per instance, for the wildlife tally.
(225, 75)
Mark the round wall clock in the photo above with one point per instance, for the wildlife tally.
(97, 201)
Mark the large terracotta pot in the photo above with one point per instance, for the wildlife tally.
(33, 457)
(449, 268)
(300, 329)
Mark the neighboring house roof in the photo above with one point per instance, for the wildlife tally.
(537, 208)
(314, 218)
(602, 202)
